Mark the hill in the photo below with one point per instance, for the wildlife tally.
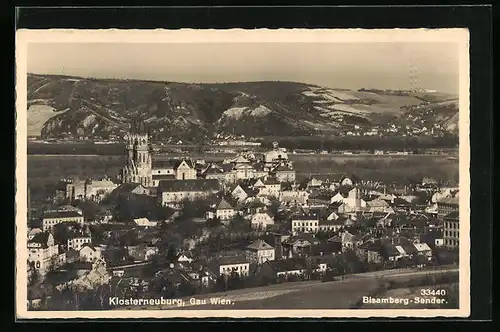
(61, 106)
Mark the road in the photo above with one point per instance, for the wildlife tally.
(339, 294)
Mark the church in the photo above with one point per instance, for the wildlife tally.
(141, 167)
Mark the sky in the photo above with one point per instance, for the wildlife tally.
(334, 65)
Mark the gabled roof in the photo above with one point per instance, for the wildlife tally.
(224, 205)
(335, 238)
(188, 185)
(126, 188)
(89, 246)
(422, 247)
(40, 238)
(260, 245)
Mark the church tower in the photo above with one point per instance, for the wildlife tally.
(138, 165)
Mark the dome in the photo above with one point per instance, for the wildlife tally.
(273, 155)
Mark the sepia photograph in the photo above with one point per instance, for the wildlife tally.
(242, 173)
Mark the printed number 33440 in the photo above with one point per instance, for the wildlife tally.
(432, 292)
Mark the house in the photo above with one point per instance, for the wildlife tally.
(423, 249)
(52, 218)
(229, 264)
(175, 169)
(451, 229)
(259, 252)
(447, 205)
(294, 197)
(370, 252)
(284, 173)
(326, 248)
(97, 275)
(390, 252)
(78, 241)
(184, 258)
(296, 246)
(98, 189)
(175, 191)
(89, 253)
(353, 202)
(308, 223)
(145, 222)
(379, 205)
(214, 172)
(272, 187)
(128, 189)
(314, 183)
(319, 199)
(342, 180)
(41, 251)
(319, 263)
(224, 210)
(261, 220)
(349, 241)
(334, 225)
(142, 252)
(283, 269)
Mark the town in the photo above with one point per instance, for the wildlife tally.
(177, 227)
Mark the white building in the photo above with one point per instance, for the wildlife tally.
(259, 252)
(41, 250)
(305, 224)
(261, 220)
(89, 253)
(77, 242)
(230, 264)
(52, 218)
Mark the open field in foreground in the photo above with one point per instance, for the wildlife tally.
(340, 294)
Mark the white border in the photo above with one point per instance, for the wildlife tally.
(24, 36)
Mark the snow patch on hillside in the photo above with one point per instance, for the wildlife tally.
(38, 115)
(234, 112)
(260, 111)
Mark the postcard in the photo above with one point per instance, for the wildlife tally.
(236, 173)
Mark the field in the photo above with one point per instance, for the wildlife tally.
(338, 294)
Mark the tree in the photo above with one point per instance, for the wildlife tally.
(171, 253)
(239, 224)
(61, 233)
(212, 223)
(234, 281)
